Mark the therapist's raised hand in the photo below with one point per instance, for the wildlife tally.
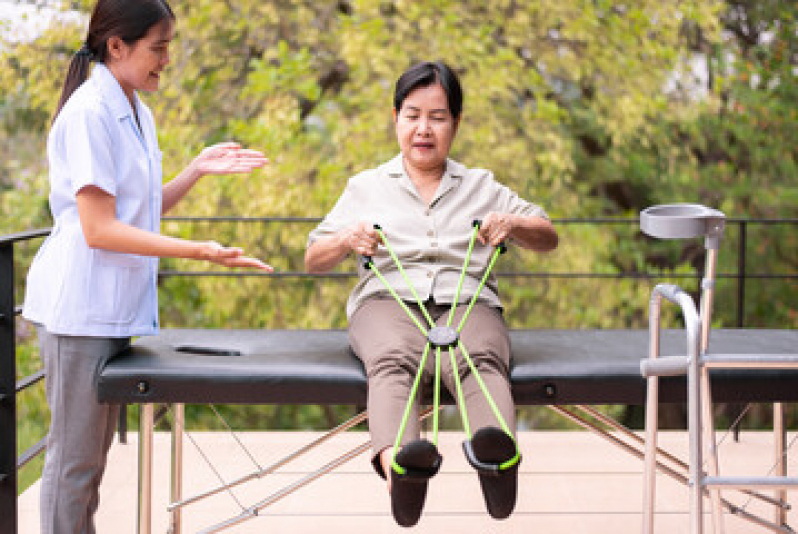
(228, 158)
(230, 257)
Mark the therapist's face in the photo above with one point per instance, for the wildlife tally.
(138, 66)
(425, 128)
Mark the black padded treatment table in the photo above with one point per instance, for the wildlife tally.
(318, 367)
(549, 367)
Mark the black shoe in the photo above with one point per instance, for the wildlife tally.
(495, 456)
(419, 460)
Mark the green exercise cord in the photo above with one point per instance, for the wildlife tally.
(451, 339)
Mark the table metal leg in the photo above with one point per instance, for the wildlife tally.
(178, 425)
(779, 441)
(146, 424)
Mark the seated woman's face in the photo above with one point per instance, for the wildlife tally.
(425, 128)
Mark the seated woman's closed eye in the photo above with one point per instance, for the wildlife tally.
(424, 204)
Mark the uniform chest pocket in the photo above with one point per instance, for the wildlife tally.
(118, 285)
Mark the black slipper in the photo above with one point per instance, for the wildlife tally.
(495, 456)
(420, 461)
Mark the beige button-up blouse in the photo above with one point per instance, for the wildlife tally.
(431, 242)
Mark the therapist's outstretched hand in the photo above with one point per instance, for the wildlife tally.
(230, 257)
(228, 158)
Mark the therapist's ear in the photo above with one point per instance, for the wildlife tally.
(393, 112)
(117, 48)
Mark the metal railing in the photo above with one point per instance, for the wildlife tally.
(10, 463)
(9, 388)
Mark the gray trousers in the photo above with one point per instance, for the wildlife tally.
(81, 430)
(391, 345)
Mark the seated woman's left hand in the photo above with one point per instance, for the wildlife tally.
(496, 228)
(228, 158)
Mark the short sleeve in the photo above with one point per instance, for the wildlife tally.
(341, 215)
(88, 150)
(509, 202)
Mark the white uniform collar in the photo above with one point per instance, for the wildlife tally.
(112, 92)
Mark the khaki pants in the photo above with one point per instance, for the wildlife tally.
(391, 345)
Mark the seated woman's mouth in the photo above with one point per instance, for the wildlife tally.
(424, 146)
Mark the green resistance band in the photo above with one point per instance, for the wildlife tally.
(442, 337)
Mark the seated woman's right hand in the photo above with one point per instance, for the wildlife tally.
(230, 257)
(361, 238)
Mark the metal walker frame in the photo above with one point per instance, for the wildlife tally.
(679, 221)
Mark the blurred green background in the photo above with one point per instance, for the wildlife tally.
(589, 108)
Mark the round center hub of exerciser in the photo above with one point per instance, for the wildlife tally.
(443, 336)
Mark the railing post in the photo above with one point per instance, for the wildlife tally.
(741, 274)
(8, 397)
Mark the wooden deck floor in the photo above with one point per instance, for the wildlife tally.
(570, 482)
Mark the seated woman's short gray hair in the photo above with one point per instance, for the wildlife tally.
(425, 74)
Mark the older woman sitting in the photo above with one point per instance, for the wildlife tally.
(425, 204)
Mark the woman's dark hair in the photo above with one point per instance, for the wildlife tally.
(130, 20)
(426, 74)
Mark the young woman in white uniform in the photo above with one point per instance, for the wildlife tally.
(92, 284)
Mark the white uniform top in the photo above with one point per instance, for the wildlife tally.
(73, 289)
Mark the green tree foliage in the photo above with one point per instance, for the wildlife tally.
(583, 106)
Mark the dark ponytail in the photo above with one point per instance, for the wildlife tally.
(130, 20)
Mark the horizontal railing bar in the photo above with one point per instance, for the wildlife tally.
(41, 232)
(17, 311)
(233, 218)
(233, 274)
(783, 220)
(518, 274)
(23, 236)
(31, 453)
(29, 380)
(569, 220)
